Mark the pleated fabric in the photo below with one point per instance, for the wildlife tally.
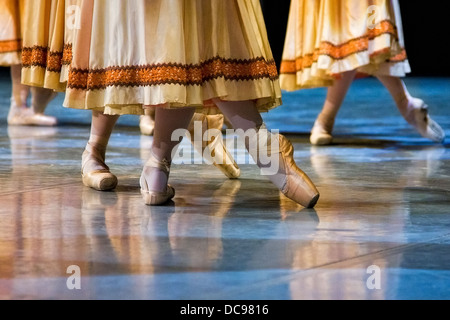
(47, 41)
(325, 38)
(120, 56)
(11, 26)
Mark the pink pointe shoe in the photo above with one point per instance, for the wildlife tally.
(297, 186)
(221, 157)
(24, 116)
(419, 118)
(320, 136)
(155, 198)
(100, 179)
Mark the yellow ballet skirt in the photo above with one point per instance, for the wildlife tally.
(11, 26)
(325, 38)
(46, 53)
(120, 56)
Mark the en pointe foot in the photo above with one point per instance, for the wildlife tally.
(320, 136)
(95, 173)
(154, 197)
(419, 118)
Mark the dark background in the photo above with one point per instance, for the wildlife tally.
(426, 30)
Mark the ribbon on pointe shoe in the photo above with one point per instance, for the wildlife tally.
(98, 179)
(155, 198)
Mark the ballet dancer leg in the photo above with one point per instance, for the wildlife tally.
(94, 171)
(19, 113)
(154, 179)
(321, 133)
(40, 99)
(226, 163)
(273, 153)
(19, 97)
(413, 110)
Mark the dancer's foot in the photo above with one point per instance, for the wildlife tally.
(290, 179)
(320, 135)
(95, 172)
(152, 195)
(298, 185)
(42, 120)
(24, 116)
(146, 125)
(221, 158)
(17, 113)
(417, 115)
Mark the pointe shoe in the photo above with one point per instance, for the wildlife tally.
(154, 198)
(320, 136)
(26, 117)
(221, 158)
(39, 119)
(419, 118)
(101, 179)
(17, 116)
(297, 185)
(146, 125)
(14, 112)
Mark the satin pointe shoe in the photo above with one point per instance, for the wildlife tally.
(14, 113)
(100, 179)
(146, 125)
(154, 198)
(297, 186)
(221, 158)
(419, 118)
(42, 120)
(320, 136)
(17, 116)
(25, 116)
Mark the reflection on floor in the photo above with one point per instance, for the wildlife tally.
(379, 231)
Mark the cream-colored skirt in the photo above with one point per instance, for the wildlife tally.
(47, 42)
(328, 37)
(120, 56)
(11, 26)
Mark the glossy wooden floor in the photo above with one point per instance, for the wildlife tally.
(381, 229)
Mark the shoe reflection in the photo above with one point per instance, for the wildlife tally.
(145, 239)
(195, 235)
(30, 132)
(98, 200)
(424, 185)
(30, 144)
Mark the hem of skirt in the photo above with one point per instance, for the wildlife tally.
(10, 59)
(130, 100)
(263, 104)
(323, 72)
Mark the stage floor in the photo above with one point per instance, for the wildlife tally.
(381, 229)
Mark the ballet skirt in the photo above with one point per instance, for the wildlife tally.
(46, 53)
(119, 57)
(325, 38)
(11, 26)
